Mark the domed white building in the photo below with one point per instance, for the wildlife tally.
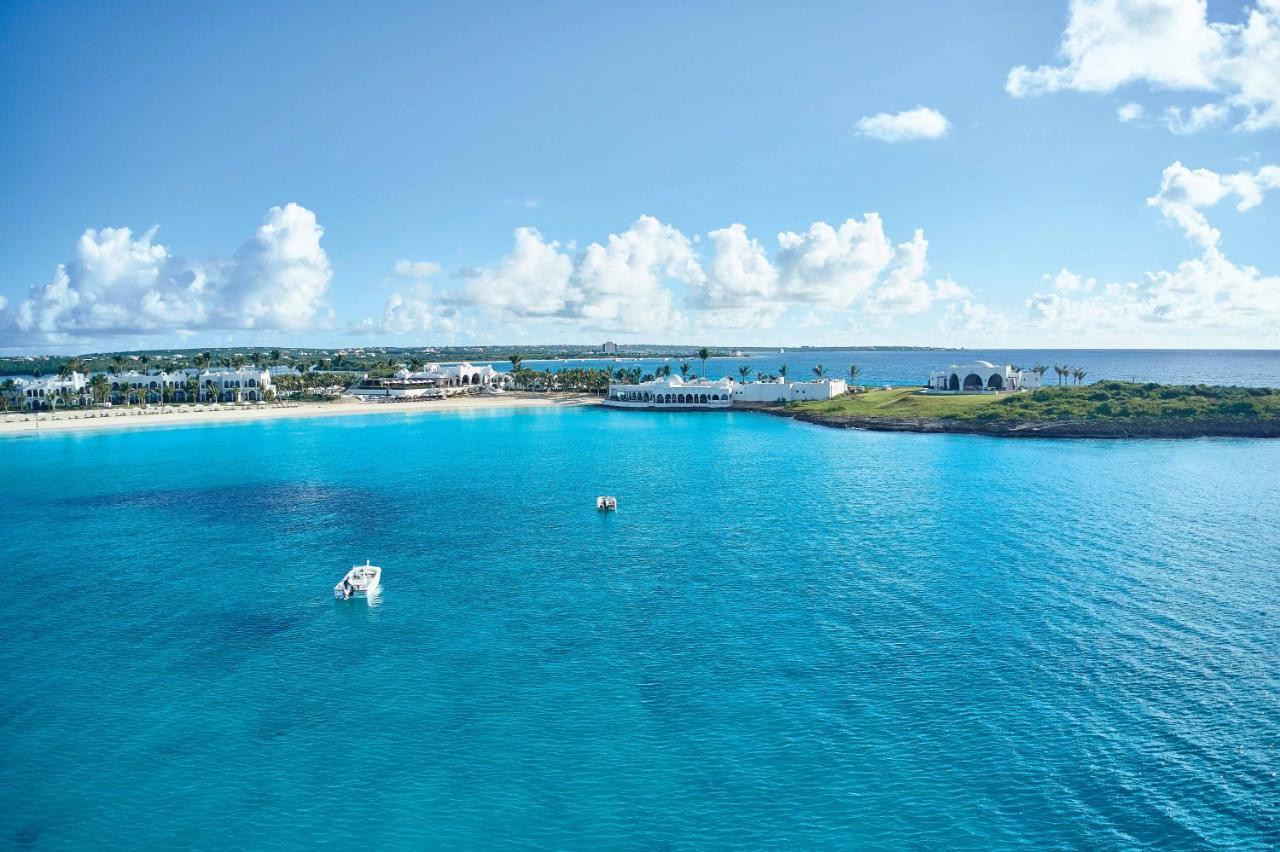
(980, 376)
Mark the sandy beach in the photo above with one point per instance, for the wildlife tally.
(158, 416)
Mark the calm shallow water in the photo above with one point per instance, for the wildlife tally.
(788, 636)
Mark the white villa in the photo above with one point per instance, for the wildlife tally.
(675, 392)
(216, 384)
(781, 390)
(980, 376)
(219, 384)
(672, 392)
(433, 380)
(48, 390)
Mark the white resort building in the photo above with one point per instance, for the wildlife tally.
(781, 390)
(982, 376)
(432, 381)
(49, 391)
(672, 392)
(215, 384)
(675, 392)
(219, 384)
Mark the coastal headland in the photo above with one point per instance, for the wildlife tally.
(1101, 410)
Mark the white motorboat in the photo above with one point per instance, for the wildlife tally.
(363, 579)
(606, 504)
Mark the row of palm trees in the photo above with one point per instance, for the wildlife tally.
(589, 379)
(1062, 371)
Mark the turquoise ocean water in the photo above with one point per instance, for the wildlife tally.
(788, 636)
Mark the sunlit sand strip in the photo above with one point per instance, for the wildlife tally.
(133, 418)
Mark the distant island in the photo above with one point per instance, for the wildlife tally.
(1107, 409)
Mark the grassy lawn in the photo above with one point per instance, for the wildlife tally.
(1102, 401)
(899, 402)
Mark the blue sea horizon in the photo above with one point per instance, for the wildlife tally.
(787, 636)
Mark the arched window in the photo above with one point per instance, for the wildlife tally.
(996, 382)
(702, 398)
(973, 382)
(953, 383)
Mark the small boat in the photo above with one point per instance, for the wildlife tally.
(363, 579)
(606, 504)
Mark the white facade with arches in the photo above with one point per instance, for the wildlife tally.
(672, 392)
(49, 391)
(980, 377)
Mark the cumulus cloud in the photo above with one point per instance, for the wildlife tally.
(118, 284)
(651, 278)
(1130, 113)
(834, 267)
(1201, 294)
(418, 311)
(1169, 44)
(416, 268)
(1197, 118)
(919, 123)
(622, 283)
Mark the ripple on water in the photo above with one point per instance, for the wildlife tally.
(786, 637)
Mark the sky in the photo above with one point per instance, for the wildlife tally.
(1096, 173)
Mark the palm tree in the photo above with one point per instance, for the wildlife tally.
(782, 371)
(275, 357)
(237, 361)
(192, 388)
(663, 371)
(818, 370)
(6, 392)
(145, 359)
(1039, 370)
(1062, 373)
(203, 360)
(1078, 375)
(703, 355)
(853, 373)
(745, 371)
(117, 361)
(100, 387)
(684, 369)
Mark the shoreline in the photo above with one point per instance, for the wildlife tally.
(134, 418)
(1078, 429)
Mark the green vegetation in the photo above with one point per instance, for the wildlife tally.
(899, 402)
(1120, 402)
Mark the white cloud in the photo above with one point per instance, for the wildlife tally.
(966, 320)
(1197, 119)
(650, 279)
(416, 268)
(535, 279)
(117, 285)
(280, 275)
(1184, 193)
(1130, 113)
(619, 284)
(919, 123)
(1202, 296)
(1168, 44)
(418, 311)
(740, 273)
